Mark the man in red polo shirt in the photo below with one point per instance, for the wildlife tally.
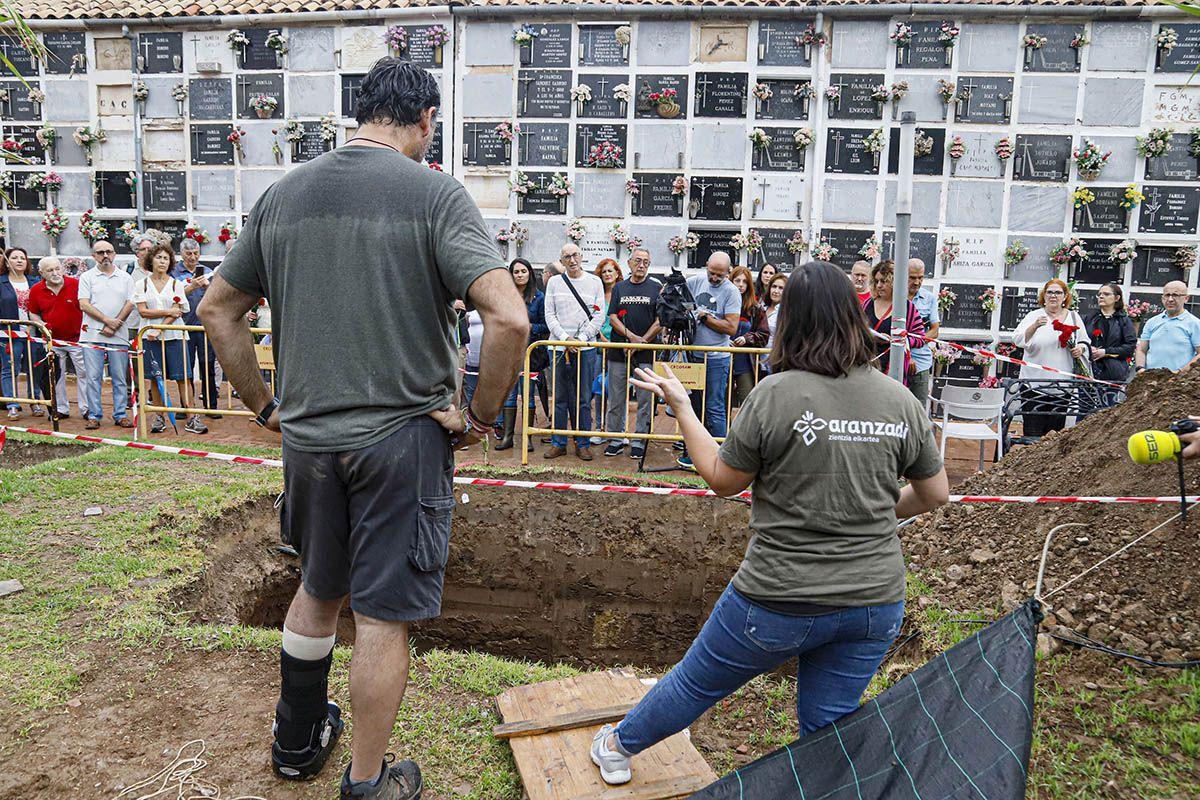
(55, 302)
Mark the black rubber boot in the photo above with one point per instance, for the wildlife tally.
(510, 422)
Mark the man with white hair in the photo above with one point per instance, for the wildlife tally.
(195, 276)
(55, 303)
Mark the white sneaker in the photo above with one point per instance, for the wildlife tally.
(614, 767)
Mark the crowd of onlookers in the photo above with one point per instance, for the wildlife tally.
(95, 308)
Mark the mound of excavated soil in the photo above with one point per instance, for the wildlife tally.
(981, 556)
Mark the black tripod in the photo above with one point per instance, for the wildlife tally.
(675, 339)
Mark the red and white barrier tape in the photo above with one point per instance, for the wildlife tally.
(979, 351)
(64, 343)
(590, 487)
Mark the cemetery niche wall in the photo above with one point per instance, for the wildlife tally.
(1032, 131)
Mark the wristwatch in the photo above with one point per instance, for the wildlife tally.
(264, 416)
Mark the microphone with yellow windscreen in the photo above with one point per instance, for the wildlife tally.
(1152, 447)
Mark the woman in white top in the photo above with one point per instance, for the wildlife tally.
(162, 299)
(1042, 334)
(771, 303)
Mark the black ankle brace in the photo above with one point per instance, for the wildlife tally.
(303, 700)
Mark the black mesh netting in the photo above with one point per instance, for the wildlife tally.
(958, 727)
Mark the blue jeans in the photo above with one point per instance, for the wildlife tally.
(714, 414)
(21, 362)
(117, 357)
(470, 381)
(838, 654)
(573, 395)
(200, 350)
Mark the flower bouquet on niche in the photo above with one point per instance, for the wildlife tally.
(948, 253)
(54, 223)
(1072, 251)
(1090, 160)
(665, 104)
(227, 235)
(870, 248)
(946, 300)
(823, 250)
(897, 93)
(437, 37)
(264, 105)
(179, 93)
(989, 300)
(1155, 144)
(576, 230)
(91, 228)
(1122, 253)
(606, 155)
(396, 39)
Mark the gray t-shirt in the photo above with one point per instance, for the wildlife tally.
(828, 453)
(720, 300)
(360, 253)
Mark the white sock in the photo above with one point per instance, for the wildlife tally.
(307, 648)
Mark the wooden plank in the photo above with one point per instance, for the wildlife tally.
(557, 765)
(562, 722)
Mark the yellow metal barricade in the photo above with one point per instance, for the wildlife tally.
(145, 406)
(25, 340)
(691, 373)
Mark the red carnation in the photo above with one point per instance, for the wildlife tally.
(176, 300)
(1065, 332)
(262, 301)
(1097, 332)
(621, 313)
(595, 308)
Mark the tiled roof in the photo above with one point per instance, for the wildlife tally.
(113, 9)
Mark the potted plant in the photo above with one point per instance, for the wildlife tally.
(278, 42)
(1089, 160)
(396, 39)
(948, 253)
(946, 91)
(524, 36)
(956, 150)
(664, 102)
(582, 95)
(437, 37)
(264, 105)
(897, 92)
(179, 93)
(141, 93)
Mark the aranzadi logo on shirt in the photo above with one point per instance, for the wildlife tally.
(847, 430)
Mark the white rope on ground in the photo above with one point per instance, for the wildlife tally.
(179, 780)
(1111, 556)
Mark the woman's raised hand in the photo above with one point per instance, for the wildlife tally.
(668, 389)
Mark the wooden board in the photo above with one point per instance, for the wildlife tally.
(557, 766)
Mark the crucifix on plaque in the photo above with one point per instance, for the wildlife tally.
(585, 136)
(196, 48)
(637, 198)
(702, 83)
(603, 84)
(965, 89)
(524, 136)
(764, 39)
(473, 131)
(527, 81)
(1152, 204)
(837, 137)
(703, 187)
(243, 83)
(841, 84)
(143, 58)
(761, 200)
(1027, 160)
(98, 190)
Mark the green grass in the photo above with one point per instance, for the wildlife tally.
(98, 586)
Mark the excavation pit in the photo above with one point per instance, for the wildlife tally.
(588, 579)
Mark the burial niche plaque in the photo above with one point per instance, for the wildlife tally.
(210, 98)
(211, 145)
(164, 191)
(600, 47)
(846, 152)
(780, 43)
(789, 99)
(854, 100)
(312, 144)
(250, 86)
(1177, 165)
(645, 108)
(18, 106)
(1155, 266)
(160, 52)
(66, 52)
(711, 241)
(420, 50)
(930, 163)
(544, 93)
(112, 190)
(1096, 268)
(1169, 209)
(782, 155)
(19, 57)
(921, 244)
(1042, 157)
(589, 136)
(539, 200)
(1056, 53)
(715, 198)
(967, 312)
(483, 146)
(721, 94)
(543, 144)
(22, 199)
(984, 100)
(1015, 303)
(925, 50)
(1185, 55)
(350, 84)
(602, 105)
(846, 241)
(655, 197)
(775, 247)
(1104, 214)
(257, 55)
(551, 48)
(26, 135)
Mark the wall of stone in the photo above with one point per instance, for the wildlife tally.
(1046, 100)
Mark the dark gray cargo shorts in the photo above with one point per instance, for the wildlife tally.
(374, 523)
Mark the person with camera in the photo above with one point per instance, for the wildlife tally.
(825, 439)
(718, 308)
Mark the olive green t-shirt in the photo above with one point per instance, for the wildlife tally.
(828, 454)
(361, 253)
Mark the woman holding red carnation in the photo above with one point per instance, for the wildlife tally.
(1053, 335)
(1113, 339)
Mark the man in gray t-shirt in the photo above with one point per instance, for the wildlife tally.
(361, 254)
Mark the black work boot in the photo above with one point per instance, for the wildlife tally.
(400, 781)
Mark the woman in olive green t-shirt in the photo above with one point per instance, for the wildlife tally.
(824, 440)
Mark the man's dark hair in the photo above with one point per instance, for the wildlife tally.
(395, 92)
(821, 326)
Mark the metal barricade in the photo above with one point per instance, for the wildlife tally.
(208, 389)
(692, 373)
(28, 354)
